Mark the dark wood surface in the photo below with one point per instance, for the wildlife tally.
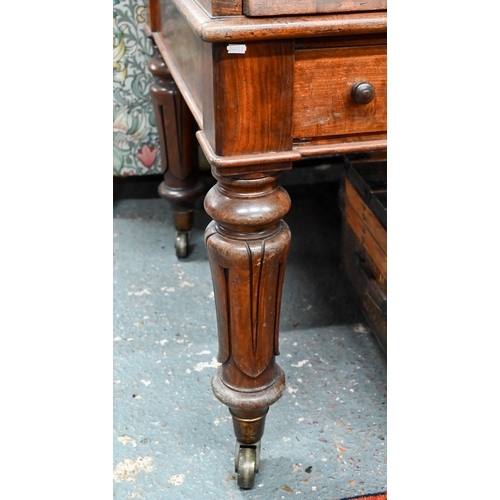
(284, 7)
(252, 99)
(371, 296)
(236, 28)
(183, 50)
(342, 144)
(265, 92)
(258, 84)
(359, 224)
(154, 17)
(216, 8)
(176, 131)
(364, 239)
(370, 221)
(324, 78)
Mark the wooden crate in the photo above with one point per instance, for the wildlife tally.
(363, 201)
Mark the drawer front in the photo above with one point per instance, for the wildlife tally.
(324, 104)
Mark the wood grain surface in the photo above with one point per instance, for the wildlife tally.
(216, 8)
(366, 215)
(293, 7)
(184, 49)
(366, 239)
(252, 98)
(241, 28)
(323, 105)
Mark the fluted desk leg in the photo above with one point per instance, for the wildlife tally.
(247, 244)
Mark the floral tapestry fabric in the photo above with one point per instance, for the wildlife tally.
(135, 137)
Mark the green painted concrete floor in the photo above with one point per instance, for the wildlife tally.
(324, 439)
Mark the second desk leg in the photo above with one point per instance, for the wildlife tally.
(176, 130)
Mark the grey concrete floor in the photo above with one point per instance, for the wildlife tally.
(325, 438)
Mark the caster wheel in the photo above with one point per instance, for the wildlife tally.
(181, 245)
(246, 467)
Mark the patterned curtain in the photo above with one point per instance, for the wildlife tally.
(135, 137)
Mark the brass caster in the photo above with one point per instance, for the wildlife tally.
(247, 464)
(181, 245)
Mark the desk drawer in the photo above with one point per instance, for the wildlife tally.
(324, 104)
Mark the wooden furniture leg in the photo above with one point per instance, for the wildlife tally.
(176, 129)
(247, 245)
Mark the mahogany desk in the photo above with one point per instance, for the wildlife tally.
(261, 84)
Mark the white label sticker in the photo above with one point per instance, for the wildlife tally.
(236, 49)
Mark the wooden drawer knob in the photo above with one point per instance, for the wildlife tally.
(363, 92)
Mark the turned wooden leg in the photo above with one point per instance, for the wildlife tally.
(176, 130)
(247, 244)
